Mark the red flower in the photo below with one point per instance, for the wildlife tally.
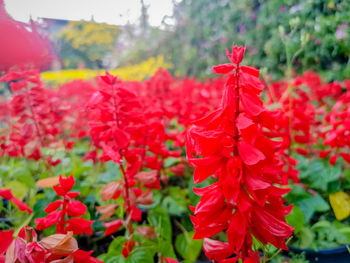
(79, 226)
(128, 246)
(113, 226)
(51, 219)
(65, 186)
(135, 213)
(81, 256)
(75, 209)
(237, 54)
(233, 147)
(68, 207)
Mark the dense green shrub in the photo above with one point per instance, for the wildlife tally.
(316, 32)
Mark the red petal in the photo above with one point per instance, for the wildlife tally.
(216, 250)
(333, 159)
(237, 231)
(67, 183)
(53, 206)
(112, 226)
(251, 104)
(128, 246)
(21, 206)
(73, 195)
(6, 194)
(49, 220)
(76, 208)
(59, 190)
(170, 260)
(243, 122)
(6, 240)
(323, 154)
(249, 154)
(250, 70)
(79, 226)
(223, 68)
(135, 213)
(346, 157)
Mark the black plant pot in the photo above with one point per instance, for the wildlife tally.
(327, 255)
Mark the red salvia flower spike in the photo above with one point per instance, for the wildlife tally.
(234, 148)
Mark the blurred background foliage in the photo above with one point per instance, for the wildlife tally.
(316, 31)
(299, 34)
(86, 42)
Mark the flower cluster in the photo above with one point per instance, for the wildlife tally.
(335, 130)
(117, 127)
(229, 144)
(32, 126)
(59, 210)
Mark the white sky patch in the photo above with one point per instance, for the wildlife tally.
(116, 12)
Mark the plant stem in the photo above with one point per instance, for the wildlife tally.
(127, 199)
(236, 132)
(60, 226)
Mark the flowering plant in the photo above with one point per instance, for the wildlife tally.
(229, 144)
(68, 207)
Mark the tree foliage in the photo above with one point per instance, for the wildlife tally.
(87, 41)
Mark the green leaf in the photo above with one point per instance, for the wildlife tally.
(194, 199)
(312, 204)
(112, 173)
(18, 189)
(4, 169)
(296, 218)
(306, 237)
(166, 249)
(24, 223)
(114, 259)
(19, 172)
(175, 203)
(140, 254)
(318, 174)
(345, 235)
(39, 207)
(187, 247)
(323, 224)
(116, 246)
(170, 161)
(160, 219)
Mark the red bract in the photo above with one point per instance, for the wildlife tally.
(113, 226)
(233, 147)
(6, 240)
(128, 245)
(81, 256)
(59, 210)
